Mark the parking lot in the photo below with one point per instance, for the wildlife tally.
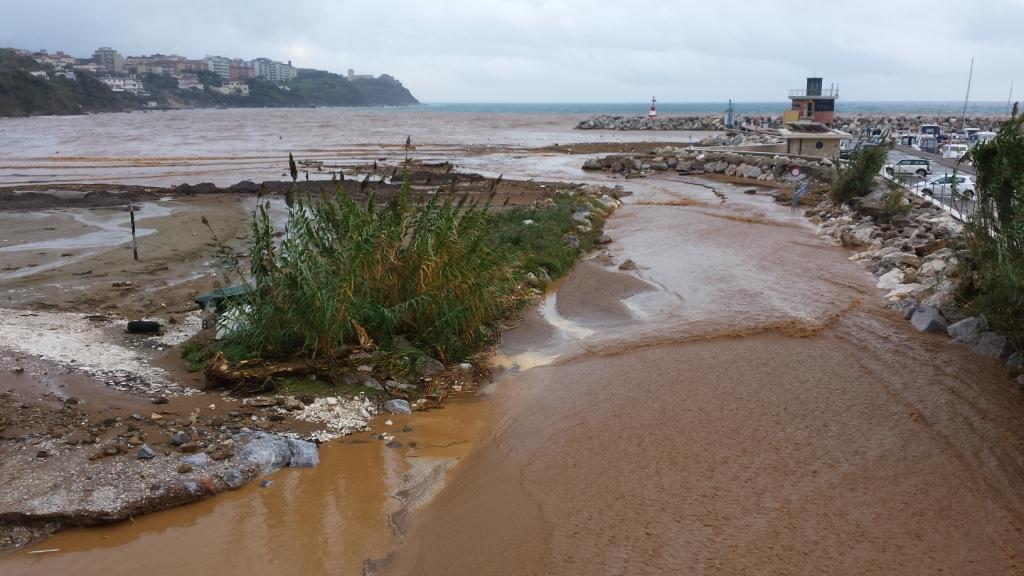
(936, 185)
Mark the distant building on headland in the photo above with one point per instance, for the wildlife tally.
(274, 71)
(108, 59)
(232, 88)
(188, 81)
(353, 76)
(219, 65)
(812, 104)
(124, 84)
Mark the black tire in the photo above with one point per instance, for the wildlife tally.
(922, 173)
(889, 170)
(143, 327)
(968, 193)
(927, 191)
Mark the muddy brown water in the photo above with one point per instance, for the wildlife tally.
(762, 415)
(326, 520)
(741, 404)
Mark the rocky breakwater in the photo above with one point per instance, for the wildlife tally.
(860, 125)
(689, 161)
(609, 122)
(910, 248)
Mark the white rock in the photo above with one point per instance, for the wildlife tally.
(891, 280)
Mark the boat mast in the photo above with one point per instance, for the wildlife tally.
(963, 117)
(1009, 99)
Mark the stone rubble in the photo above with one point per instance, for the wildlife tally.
(906, 249)
(856, 124)
(738, 164)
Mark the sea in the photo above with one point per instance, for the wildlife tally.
(224, 146)
(702, 108)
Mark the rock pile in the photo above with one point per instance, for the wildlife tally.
(909, 253)
(608, 122)
(757, 167)
(856, 124)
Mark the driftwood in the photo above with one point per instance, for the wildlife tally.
(256, 376)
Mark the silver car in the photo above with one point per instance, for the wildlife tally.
(942, 186)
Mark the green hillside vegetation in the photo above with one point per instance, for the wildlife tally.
(22, 94)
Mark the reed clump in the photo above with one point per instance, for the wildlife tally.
(437, 273)
(994, 267)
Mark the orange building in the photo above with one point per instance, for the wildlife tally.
(812, 104)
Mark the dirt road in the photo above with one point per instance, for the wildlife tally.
(758, 413)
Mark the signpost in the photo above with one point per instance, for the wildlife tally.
(801, 185)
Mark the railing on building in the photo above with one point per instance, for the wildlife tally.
(823, 93)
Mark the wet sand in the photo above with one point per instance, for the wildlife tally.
(772, 419)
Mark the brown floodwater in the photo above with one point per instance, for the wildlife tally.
(762, 414)
(741, 404)
(325, 520)
(167, 148)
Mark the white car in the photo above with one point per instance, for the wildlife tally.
(954, 151)
(918, 166)
(942, 186)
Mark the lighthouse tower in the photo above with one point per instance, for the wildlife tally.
(654, 112)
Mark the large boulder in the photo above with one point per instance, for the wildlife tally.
(891, 280)
(993, 345)
(928, 319)
(398, 406)
(271, 452)
(967, 330)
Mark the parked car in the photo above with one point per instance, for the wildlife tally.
(918, 166)
(847, 153)
(954, 151)
(942, 186)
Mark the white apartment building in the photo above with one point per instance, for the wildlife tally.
(108, 59)
(274, 71)
(219, 65)
(232, 88)
(123, 84)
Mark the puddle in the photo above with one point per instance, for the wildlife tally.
(112, 230)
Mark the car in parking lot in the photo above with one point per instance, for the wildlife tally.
(953, 151)
(942, 186)
(920, 166)
(847, 153)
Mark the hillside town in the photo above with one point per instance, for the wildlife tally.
(121, 73)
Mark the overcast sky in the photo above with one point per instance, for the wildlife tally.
(573, 50)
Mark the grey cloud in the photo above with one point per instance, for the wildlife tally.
(561, 50)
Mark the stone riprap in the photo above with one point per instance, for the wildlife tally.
(855, 124)
(693, 161)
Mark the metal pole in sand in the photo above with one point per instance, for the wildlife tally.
(135, 244)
